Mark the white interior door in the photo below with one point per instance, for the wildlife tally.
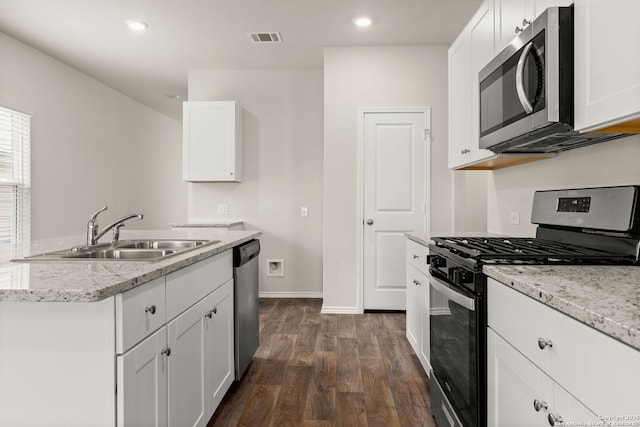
(394, 201)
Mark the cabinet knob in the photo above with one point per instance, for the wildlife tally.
(519, 30)
(151, 309)
(166, 351)
(525, 22)
(415, 282)
(543, 343)
(416, 256)
(369, 221)
(540, 404)
(553, 419)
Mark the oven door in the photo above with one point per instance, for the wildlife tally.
(454, 353)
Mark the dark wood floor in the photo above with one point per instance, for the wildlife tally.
(325, 370)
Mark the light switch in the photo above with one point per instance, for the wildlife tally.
(304, 211)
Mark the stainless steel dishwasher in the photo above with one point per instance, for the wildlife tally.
(246, 316)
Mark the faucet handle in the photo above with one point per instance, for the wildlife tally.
(94, 216)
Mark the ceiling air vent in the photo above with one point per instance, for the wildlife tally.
(265, 37)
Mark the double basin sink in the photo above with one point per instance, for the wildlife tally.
(126, 250)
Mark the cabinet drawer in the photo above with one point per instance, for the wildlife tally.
(417, 256)
(187, 286)
(139, 312)
(600, 371)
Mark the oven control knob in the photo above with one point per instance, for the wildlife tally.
(460, 275)
(436, 261)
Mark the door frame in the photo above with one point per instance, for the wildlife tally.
(426, 208)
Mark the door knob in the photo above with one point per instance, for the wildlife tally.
(369, 221)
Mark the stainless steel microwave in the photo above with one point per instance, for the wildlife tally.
(526, 91)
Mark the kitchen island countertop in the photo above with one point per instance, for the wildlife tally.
(94, 280)
(606, 298)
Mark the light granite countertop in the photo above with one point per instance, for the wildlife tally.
(94, 280)
(606, 298)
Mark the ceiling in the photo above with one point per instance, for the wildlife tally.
(91, 35)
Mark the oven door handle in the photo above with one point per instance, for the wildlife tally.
(458, 298)
(522, 96)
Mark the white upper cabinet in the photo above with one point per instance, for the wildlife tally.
(514, 15)
(212, 141)
(467, 55)
(607, 65)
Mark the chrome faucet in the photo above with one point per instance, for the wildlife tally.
(92, 227)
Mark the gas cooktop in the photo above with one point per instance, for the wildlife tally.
(515, 250)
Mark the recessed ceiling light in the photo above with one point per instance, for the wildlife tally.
(137, 25)
(362, 21)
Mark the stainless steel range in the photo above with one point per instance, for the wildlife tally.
(578, 226)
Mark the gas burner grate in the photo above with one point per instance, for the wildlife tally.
(522, 249)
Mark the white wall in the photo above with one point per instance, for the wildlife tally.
(374, 77)
(91, 146)
(282, 125)
(511, 189)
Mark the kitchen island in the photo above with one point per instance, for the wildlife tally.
(94, 280)
(112, 342)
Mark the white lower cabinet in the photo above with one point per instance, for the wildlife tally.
(520, 394)
(201, 361)
(417, 317)
(538, 354)
(219, 359)
(142, 383)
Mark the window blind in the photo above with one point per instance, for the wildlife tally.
(15, 183)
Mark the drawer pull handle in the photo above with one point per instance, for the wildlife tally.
(211, 312)
(554, 419)
(415, 282)
(150, 309)
(166, 351)
(542, 343)
(540, 404)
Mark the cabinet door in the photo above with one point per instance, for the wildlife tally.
(607, 68)
(521, 394)
(415, 282)
(219, 346)
(514, 384)
(426, 337)
(212, 141)
(142, 383)
(186, 368)
(459, 105)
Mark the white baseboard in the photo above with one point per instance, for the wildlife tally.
(340, 310)
(290, 295)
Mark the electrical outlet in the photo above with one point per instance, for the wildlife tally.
(515, 218)
(304, 211)
(223, 209)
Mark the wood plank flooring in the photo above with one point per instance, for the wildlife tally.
(328, 370)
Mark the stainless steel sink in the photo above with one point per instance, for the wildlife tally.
(164, 244)
(121, 254)
(126, 250)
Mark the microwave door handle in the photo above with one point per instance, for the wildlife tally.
(522, 96)
(466, 302)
